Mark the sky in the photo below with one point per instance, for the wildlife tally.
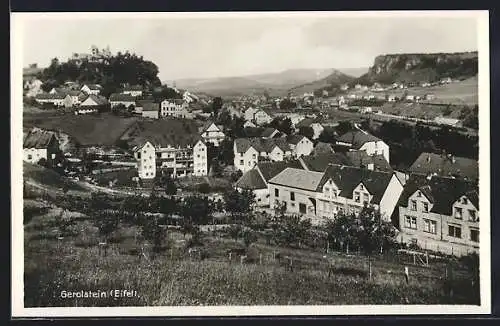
(184, 46)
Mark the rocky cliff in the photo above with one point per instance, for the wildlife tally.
(420, 67)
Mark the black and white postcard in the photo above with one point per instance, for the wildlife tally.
(250, 163)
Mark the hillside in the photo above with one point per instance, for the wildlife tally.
(274, 83)
(421, 67)
(329, 83)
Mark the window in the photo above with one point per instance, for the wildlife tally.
(30, 156)
(472, 215)
(292, 204)
(454, 231)
(302, 208)
(426, 207)
(413, 205)
(139, 155)
(292, 196)
(357, 197)
(361, 187)
(419, 194)
(458, 212)
(365, 198)
(411, 222)
(276, 192)
(254, 156)
(241, 162)
(464, 201)
(474, 235)
(429, 226)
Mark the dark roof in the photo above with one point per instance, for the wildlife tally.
(38, 138)
(268, 132)
(251, 180)
(163, 132)
(306, 122)
(322, 148)
(428, 163)
(442, 192)
(47, 96)
(150, 106)
(174, 100)
(133, 88)
(207, 125)
(261, 144)
(141, 102)
(295, 139)
(100, 100)
(362, 159)
(251, 132)
(271, 169)
(347, 178)
(116, 97)
(320, 162)
(94, 87)
(357, 138)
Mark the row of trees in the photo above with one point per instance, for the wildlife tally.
(112, 73)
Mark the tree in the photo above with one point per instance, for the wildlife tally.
(328, 136)
(107, 222)
(293, 230)
(216, 105)
(203, 188)
(373, 233)
(341, 231)
(239, 204)
(234, 231)
(226, 154)
(344, 126)
(43, 162)
(283, 125)
(196, 209)
(152, 231)
(306, 131)
(287, 104)
(168, 185)
(249, 237)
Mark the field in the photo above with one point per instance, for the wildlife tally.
(105, 129)
(74, 263)
(464, 92)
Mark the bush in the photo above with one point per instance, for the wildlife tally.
(203, 188)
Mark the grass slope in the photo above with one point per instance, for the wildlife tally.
(73, 264)
(47, 177)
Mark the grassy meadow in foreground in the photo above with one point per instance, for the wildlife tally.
(172, 278)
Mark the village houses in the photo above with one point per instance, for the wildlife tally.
(150, 110)
(135, 90)
(212, 133)
(40, 144)
(361, 140)
(173, 108)
(127, 100)
(323, 195)
(92, 89)
(446, 166)
(440, 214)
(312, 123)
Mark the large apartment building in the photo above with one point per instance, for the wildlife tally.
(167, 146)
(440, 214)
(323, 195)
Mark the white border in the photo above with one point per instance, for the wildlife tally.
(17, 260)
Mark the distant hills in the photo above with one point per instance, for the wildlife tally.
(420, 67)
(330, 82)
(274, 83)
